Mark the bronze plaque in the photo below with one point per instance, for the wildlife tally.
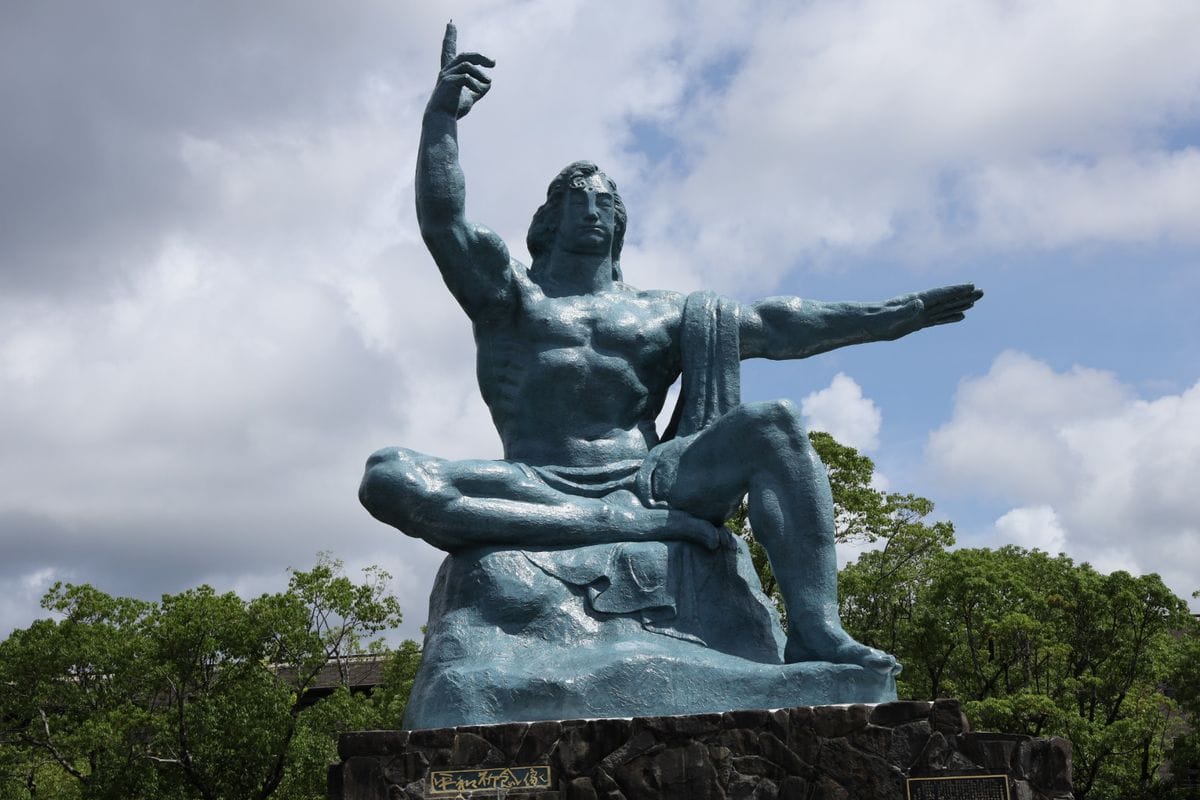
(959, 787)
(449, 782)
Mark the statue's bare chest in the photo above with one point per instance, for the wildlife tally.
(611, 325)
(603, 360)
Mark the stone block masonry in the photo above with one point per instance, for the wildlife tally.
(849, 752)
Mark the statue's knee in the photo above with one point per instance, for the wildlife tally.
(388, 464)
(777, 421)
(390, 478)
(385, 456)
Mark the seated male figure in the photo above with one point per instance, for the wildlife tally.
(575, 365)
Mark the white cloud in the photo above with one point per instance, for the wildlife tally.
(1119, 198)
(211, 401)
(1084, 459)
(841, 410)
(22, 592)
(1007, 427)
(1033, 527)
(928, 129)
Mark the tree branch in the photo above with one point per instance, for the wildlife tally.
(58, 757)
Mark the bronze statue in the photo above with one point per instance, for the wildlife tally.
(596, 533)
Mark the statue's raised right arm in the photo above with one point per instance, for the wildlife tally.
(474, 261)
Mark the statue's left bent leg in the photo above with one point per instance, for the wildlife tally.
(761, 450)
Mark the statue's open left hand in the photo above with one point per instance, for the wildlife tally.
(462, 80)
(938, 306)
(947, 303)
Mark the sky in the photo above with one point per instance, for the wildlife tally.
(215, 304)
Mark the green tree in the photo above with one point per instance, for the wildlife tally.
(1041, 645)
(74, 705)
(1182, 735)
(1032, 643)
(314, 747)
(201, 695)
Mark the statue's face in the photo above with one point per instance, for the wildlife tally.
(588, 217)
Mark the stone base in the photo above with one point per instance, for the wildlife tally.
(809, 753)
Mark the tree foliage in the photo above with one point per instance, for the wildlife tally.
(1038, 644)
(200, 695)
(1031, 643)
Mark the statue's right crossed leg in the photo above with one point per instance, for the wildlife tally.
(470, 503)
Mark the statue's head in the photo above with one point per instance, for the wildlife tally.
(544, 228)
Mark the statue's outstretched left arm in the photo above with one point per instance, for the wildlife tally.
(789, 327)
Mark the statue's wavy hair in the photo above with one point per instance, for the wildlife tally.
(544, 227)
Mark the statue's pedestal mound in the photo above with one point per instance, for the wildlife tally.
(851, 752)
(641, 629)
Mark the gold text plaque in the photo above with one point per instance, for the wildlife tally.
(959, 787)
(447, 782)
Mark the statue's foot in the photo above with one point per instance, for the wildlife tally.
(836, 646)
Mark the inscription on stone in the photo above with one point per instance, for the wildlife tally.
(959, 787)
(444, 783)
